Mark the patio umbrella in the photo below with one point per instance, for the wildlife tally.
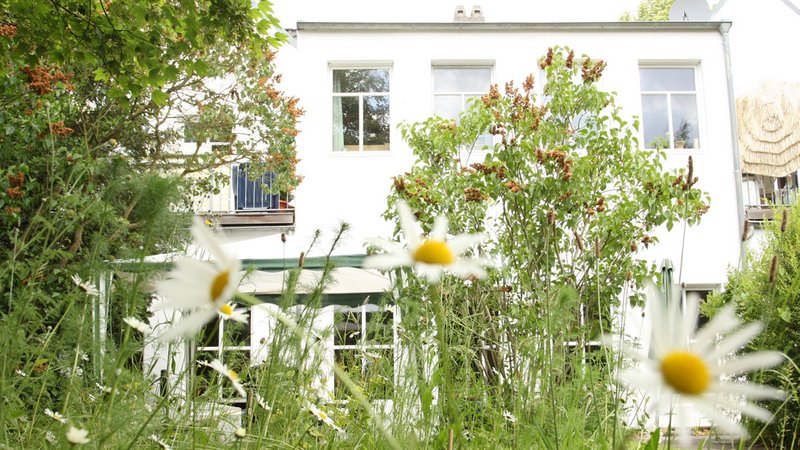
(769, 129)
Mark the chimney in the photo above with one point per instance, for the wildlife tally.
(460, 14)
(477, 13)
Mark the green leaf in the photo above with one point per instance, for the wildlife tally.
(100, 74)
(160, 97)
(785, 314)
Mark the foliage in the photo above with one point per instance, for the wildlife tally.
(94, 96)
(568, 198)
(767, 288)
(650, 10)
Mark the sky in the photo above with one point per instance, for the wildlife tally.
(291, 11)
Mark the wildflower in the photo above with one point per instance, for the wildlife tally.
(138, 325)
(226, 311)
(201, 287)
(509, 417)
(77, 436)
(428, 255)
(686, 367)
(240, 433)
(20, 373)
(104, 389)
(228, 373)
(50, 437)
(55, 415)
(260, 400)
(159, 442)
(322, 417)
(88, 288)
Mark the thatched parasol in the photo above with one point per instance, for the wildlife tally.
(769, 129)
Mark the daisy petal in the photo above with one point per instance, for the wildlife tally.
(722, 322)
(466, 268)
(748, 409)
(750, 362)
(189, 325)
(383, 244)
(463, 242)
(387, 261)
(737, 340)
(750, 390)
(719, 419)
(407, 224)
(439, 230)
(207, 239)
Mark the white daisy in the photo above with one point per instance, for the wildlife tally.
(240, 433)
(201, 288)
(509, 417)
(159, 442)
(685, 367)
(322, 417)
(20, 373)
(226, 311)
(104, 389)
(228, 373)
(261, 402)
(55, 415)
(88, 288)
(50, 437)
(430, 255)
(77, 435)
(138, 325)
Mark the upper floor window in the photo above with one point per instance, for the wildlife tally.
(360, 109)
(669, 107)
(453, 87)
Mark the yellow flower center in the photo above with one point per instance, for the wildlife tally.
(323, 416)
(219, 284)
(685, 372)
(233, 374)
(226, 309)
(434, 252)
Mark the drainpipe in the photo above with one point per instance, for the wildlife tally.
(737, 167)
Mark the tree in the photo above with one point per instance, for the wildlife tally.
(650, 10)
(568, 197)
(94, 99)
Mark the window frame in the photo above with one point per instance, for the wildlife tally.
(219, 348)
(696, 72)
(332, 67)
(465, 95)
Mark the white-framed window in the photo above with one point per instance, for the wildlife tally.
(230, 342)
(364, 341)
(361, 109)
(454, 86)
(669, 107)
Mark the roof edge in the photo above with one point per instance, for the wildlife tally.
(511, 26)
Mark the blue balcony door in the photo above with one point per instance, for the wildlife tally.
(253, 194)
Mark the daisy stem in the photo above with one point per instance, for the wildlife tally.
(448, 403)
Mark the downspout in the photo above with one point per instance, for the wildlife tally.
(737, 167)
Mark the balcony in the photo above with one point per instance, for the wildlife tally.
(246, 203)
(761, 194)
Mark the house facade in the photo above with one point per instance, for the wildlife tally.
(358, 81)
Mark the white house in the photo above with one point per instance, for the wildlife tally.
(358, 80)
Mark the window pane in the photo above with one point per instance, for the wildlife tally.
(345, 123)
(462, 79)
(347, 329)
(447, 106)
(666, 78)
(684, 120)
(379, 328)
(361, 80)
(376, 122)
(655, 120)
(209, 337)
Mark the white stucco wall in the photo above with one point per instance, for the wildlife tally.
(353, 186)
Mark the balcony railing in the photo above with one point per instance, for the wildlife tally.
(762, 193)
(246, 202)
